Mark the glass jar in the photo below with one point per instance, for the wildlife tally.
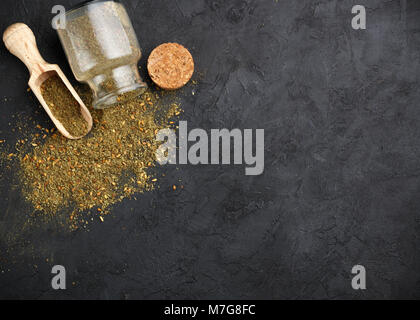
(103, 51)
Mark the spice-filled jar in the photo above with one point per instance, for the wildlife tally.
(103, 51)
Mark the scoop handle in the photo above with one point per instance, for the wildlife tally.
(20, 41)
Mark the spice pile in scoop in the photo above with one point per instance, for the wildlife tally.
(64, 106)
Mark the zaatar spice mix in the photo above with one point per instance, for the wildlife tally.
(108, 165)
(64, 106)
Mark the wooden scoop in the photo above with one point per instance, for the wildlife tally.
(20, 41)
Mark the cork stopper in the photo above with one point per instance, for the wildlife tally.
(170, 66)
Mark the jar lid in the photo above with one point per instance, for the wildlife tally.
(86, 3)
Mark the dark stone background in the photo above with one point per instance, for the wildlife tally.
(342, 172)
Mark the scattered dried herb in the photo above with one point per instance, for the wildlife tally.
(108, 165)
(64, 106)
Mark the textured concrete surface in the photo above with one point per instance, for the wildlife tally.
(341, 186)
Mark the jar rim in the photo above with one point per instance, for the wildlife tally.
(86, 3)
